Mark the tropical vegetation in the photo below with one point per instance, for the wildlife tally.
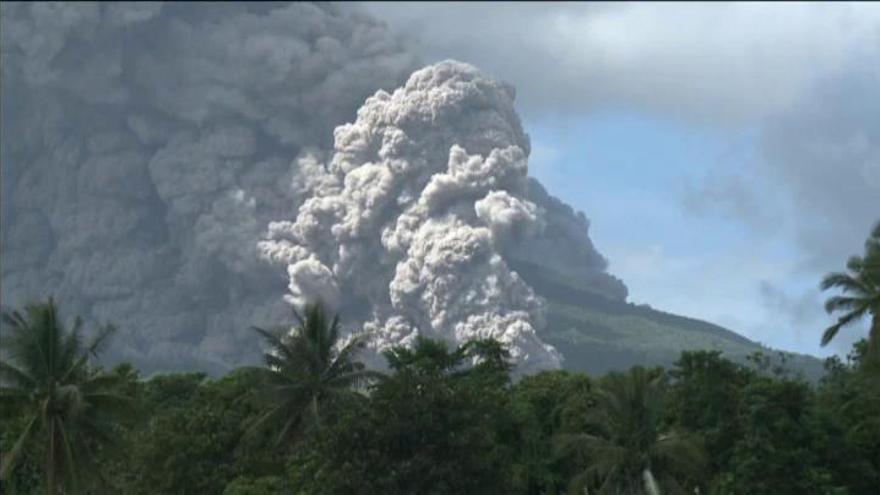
(438, 420)
(860, 287)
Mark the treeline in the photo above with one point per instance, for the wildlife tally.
(313, 420)
(440, 421)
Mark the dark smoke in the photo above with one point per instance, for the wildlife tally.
(146, 147)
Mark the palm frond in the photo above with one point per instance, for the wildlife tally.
(843, 303)
(875, 232)
(854, 264)
(69, 461)
(48, 368)
(13, 376)
(14, 319)
(356, 379)
(845, 282)
(683, 453)
(70, 345)
(305, 373)
(829, 333)
(300, 321)
(12, 400)
(343, 362)
(276, 340)
(263, 421)
(11, 458)
(290, 427)
(843, 321)
(281, 366)
(100, 340)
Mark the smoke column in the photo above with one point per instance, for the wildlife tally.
(145, 147)
(409, 218)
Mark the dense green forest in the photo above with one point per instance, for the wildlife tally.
(439, 420)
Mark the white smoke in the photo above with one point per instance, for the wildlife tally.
(410, 216)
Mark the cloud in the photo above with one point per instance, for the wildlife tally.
(719, 63)
(814, 179)
(825, 156)
(801, 78)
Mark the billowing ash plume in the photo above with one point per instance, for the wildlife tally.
(564, 248)
(146, 146)
(410, 216)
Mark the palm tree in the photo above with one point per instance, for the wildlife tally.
(308, 370)
(436, 357)
(71, 406)
(861, 292)
(627, 450)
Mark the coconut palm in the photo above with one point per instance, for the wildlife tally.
(308, 370)
(436, 357)
(71, 406)
(627, 450)
(861, 292)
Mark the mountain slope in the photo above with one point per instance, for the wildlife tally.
(597, 334)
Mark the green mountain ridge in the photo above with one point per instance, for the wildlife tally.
(597, 334)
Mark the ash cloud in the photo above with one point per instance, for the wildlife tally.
(564, 247)
(146, 147)
(411, 214)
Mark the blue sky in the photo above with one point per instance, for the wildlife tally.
(629, 173)
(727, 154)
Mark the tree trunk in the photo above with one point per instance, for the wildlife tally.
(315, 411)
(874, 335)
(873, 352)
(50, 460)
(651, 487)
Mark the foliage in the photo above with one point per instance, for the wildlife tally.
(193, 438)
(545, 406)
(265, 485)
(72, 407)
(28, 474)
(628, 446)
(432, 427)
(451, 420)
(848, 401)
(860, 287)
(307, 370)
(705, 391)
(776, 452)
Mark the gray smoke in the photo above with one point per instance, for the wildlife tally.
(564, 249)
(146, 147)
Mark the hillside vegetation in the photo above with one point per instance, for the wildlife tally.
(597, 333)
